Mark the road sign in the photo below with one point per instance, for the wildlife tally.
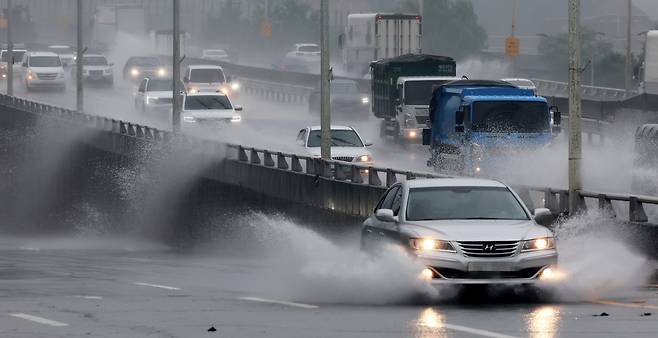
(266, 29)
(512, 46)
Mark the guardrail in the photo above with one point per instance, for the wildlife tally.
(550, 88)
(554, 199)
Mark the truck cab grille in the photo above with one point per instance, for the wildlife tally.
(489, 249)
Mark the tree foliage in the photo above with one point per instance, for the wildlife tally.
(597, 55)
(450, 27)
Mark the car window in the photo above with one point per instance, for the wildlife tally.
(142, 86)
(397, 202)
(300, 135)
(204, 102)
(207, 76)
(339, 138)
(387, 201)
(45, 61)
(160, 85)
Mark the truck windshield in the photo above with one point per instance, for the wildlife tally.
(442, 203)
(420, 92)
(339, 138)
(510, 117)
(45, 61)
(207, 76)
(205, 102)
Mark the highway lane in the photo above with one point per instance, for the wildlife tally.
(274, 125)
(123, 288)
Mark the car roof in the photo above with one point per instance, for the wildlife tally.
(43, 54)
(205, 67)
(332, 127)
(454, 182)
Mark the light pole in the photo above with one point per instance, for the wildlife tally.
(629, 20)
(79, 62)
(10, 51)
(575, 136)
(325, 83)
(175, 76)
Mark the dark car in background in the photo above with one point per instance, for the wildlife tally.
(140, 67)
(346, 100)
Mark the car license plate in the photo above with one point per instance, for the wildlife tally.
(490, 266)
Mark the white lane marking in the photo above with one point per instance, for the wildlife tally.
(279, 302)
(158, 286)
(476, 332)
(88, 297)
(39, 320)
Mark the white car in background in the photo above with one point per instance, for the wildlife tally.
(209, 79)
(43, 70)
(154, 94)
(66, 53)
(95, 68)
(209, 109)
(522, 83)
(346, 144)
(305, 49)
(465, 231)
(4, 55)
(215, 55)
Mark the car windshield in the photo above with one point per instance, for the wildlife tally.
(216, 52)
(339, 138)
(18, 55)
(160, 85)
(443, 203)
(45, 61)
(205, 102)
(207, 76)
(94, 61)
(309, 49)
(512, 117)
(420, 92)
(344, 88)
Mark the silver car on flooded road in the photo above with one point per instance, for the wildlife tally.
(465, 231)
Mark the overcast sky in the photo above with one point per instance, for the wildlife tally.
(649, 6)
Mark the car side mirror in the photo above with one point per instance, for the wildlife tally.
(238, 108)
(368, 143)
(385, 215)
(544, 217)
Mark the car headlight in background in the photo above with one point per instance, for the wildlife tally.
(162, 72)
(189, 119)
(538, 244)
(236, 118)
(151, 99)
(30, 75)
(364, 158)
(428, 244)
(134, 72)
(235, 86)
(192, 90)
(365, 100)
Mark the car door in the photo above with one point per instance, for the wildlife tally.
(375, 231)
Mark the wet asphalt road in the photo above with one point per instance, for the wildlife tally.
(116, 289)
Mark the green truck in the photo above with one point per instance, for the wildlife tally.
(402, 89)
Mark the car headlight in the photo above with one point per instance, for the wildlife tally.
(538, 244)
(235, 86)
(364, 158)
(189, 119)
(428, 244)
(162, 72)
(365, 100)
(151, 99)
(224, 89)
(236, 118)
(30, 75)
(134, 72)
(192, 90)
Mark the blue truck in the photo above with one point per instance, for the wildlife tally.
(475, 123)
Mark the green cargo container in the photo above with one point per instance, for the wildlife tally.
(385, 74)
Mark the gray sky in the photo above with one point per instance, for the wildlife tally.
(649, 6)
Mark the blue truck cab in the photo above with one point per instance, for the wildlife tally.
(477, 124)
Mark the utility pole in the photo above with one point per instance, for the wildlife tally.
(10, 51)
(629, 26)
(79, 62)
(421, 8)
(325, 83)
(575, 135)
(175, 76)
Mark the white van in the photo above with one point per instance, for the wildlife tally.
(43, 70)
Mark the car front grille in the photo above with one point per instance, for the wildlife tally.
(343, 158)
(163, 101)
(95, 73)
(47, 76)
(489, 249)
(458, 274)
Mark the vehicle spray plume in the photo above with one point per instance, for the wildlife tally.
(308, 267)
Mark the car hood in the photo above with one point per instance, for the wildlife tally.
(476, 230)
(340, 151)
(161, 94)
(219, 114)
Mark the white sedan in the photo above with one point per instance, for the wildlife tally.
(346, 144)
(208, 109)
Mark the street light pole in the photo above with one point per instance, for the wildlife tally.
(79, 61)
(575, 135)
(10, 51)
(629, 20)
(176, 102)
(325, 83)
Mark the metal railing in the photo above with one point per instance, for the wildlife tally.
(554, 199)
(549, 88)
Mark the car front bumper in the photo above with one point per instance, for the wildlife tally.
(92, 78)
(47, 83)
(522, 268)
